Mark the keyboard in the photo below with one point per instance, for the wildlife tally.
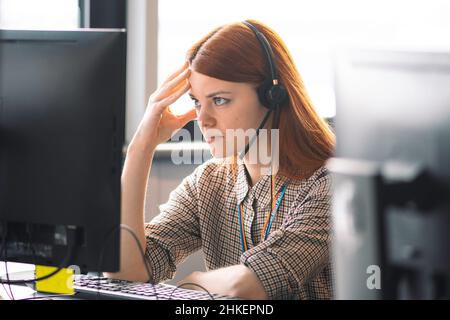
(92, 287)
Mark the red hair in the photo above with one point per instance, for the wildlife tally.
(233, 53)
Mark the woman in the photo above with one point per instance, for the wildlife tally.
(223, 206)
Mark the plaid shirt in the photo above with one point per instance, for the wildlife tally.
(292, 263)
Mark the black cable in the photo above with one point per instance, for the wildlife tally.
(3, 246)
(247, 146)
(6, 291)
(191, 283)
(7, 272)
(51, 274)
(144, 257)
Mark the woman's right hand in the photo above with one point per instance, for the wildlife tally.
(159, 123)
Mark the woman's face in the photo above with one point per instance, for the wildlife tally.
(223, 108)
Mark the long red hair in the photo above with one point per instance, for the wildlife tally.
(233, 53)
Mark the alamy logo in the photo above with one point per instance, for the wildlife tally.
(263, 150)
(374, 278)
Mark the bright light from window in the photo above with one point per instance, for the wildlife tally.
(310, 29)
(39, 14)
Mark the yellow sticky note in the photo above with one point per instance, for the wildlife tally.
(62, 282)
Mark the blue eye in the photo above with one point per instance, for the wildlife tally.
(218, 101)
(196, 103)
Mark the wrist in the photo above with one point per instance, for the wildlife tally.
(138, 144)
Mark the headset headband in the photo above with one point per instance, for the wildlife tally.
(267, 50)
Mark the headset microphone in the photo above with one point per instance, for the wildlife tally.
(248, 145)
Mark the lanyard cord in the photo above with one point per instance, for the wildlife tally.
(267, 223)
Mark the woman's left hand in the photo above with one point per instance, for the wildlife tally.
(236, 281)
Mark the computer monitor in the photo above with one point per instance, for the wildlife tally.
(391, 171)
(62, 110)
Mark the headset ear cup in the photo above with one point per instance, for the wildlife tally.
(277, 95)
(262, 94)
(271, 96)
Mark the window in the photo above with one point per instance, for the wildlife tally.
(39, 14)
(310, 29)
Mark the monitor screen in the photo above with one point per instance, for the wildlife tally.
(62, 119)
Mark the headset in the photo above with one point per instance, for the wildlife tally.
(271, 93)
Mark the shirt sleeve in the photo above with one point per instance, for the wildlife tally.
(174, 233)
(299, 249)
